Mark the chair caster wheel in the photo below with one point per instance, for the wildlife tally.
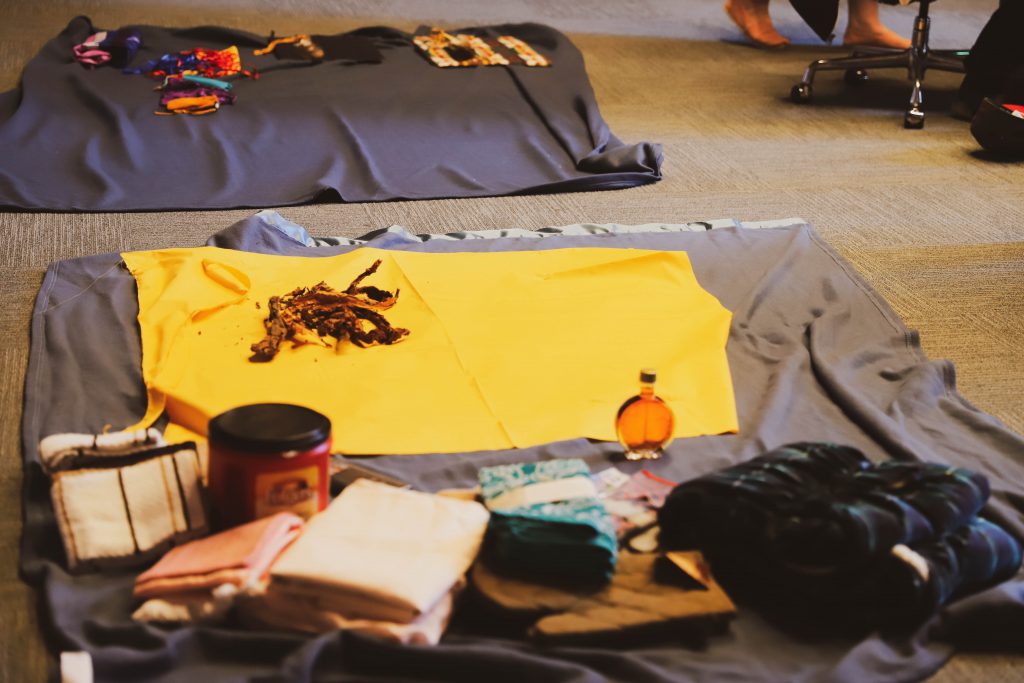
(855, 76)
(801, 93)
(914, 118)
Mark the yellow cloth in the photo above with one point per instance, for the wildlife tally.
(506, 349)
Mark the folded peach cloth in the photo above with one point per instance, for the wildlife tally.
(240, 557)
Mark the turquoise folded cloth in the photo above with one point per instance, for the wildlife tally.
(571, 538)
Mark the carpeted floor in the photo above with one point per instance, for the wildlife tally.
(936, 227)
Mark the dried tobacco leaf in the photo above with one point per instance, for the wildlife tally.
(323, 312)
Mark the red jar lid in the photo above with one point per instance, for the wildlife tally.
(269, 428)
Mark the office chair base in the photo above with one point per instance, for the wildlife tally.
(917, 60)
(855, 73)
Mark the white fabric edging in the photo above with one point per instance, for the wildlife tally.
(58, 451)
(545, 492)
(912, 558)
(299, 234)
(75, 667)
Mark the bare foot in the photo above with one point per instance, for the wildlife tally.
(753, 19)
(875, 36)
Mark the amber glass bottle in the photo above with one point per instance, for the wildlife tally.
(644, 423)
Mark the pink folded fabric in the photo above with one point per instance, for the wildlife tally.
(240, 556)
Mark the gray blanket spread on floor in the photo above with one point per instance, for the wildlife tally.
(815, 355)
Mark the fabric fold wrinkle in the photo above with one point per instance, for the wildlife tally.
(462, 364)
(863, 409)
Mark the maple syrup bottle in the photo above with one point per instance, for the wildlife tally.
(644, 423)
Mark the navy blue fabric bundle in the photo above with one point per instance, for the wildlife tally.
(823, 526)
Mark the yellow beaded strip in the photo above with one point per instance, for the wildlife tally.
(526, 53)
(437, 43)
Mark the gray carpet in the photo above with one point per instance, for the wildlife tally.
(932, 224)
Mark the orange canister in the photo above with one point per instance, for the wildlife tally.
(267, 458)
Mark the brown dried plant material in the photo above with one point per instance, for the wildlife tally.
(321, 312)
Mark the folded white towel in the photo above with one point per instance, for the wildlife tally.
(121, 515)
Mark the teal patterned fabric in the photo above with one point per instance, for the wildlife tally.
(495, 481)
(569, 539)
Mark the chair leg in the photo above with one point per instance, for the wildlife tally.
(914, 116)
(801, 92)
(916, 67)
(944, 63)
(857, 62)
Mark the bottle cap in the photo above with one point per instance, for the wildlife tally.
(648, 375)
(269, 428)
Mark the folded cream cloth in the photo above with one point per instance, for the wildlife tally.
(119, 515)
(302, 614)
(199, 581)
(67, 451)
(381, 553)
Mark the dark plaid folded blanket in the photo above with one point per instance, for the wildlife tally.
(822, 524)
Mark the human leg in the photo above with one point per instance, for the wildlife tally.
(753, 19)
(865, 27)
